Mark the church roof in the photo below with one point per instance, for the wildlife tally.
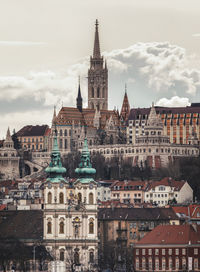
(71, 115)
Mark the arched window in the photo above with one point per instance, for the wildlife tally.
(65, 143)
(61, 198)
(49, 228)
(103, 92)
(76, 258)
(92, 92)
(61, 143)
(65, 132)
(49, 200)
(61, 227)
(91, 199)
(98, 92)
(62, 255)
(91, 257)
(61, 132)
(79, 197)
(91, 226)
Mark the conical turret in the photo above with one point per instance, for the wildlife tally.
(125, 110)
(8, 143)
(154, 120)
(85, 170)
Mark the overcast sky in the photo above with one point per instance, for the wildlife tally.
(151, 45)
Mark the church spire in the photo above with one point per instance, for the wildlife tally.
(125, 110)
(8, 137)
(79, 99)
(54, 116)
(96, 51)
(55, 168)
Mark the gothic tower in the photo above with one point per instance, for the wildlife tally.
(97, 78)
(79, 100)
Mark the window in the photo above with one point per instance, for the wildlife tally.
(92, 92)
(91, 199)
(65, 143)
(61, 198)
(196, 264)
(62, 255)
(195, 251)
(143, 263)
(170, 263)
(61, 143)
(98, 92)
(137, 264)
(177, 251)
(163, 264)
(137, 251)
(61, 227)
(91, 226)
(143, 251)
(61, 132)
(156, 251)
(157, 264)
(170, 251)
(177, 263)
(49, 198)
(163, 251)
(91, 257)
(183, 263)
(150, 251)
(183, 251)
(76, 258)
(49, 228)
(150, 263)
(65, 133)
(79, 198)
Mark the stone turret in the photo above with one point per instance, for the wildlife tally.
(125, 110)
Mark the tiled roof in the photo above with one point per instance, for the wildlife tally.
(162, 110)
(21, 224)
(172, 234)
(69, 115)
(129, 185)
(167, 181)
(32, 131)
(137, 214)
(187, 210)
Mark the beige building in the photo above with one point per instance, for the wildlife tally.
(9, 159)
(168, 190)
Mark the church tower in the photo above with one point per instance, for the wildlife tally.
(97, 78)
(79, 100)
(125, 110)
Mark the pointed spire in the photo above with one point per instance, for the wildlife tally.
(96, 51)
(125, 110)
(154, 119)
(8, 137)
(79, 100)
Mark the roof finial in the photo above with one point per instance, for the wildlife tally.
(125, 88)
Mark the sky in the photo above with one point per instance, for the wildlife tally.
(152, 46)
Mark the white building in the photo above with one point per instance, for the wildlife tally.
(70, 220)
(168, 190)
(104, 191)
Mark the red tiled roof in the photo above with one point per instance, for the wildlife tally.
(167, 181)
(129, 185)
(172, 234)
(187, 210)
(32, 130)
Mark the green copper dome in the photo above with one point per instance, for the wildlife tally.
(55, 168)
(85, 170)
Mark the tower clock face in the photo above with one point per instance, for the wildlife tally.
(49, 186)
(91, 186)
(61, 185)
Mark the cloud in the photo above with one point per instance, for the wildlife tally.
(156, 71)
(21, 43)
(196, 35)
(174, 101)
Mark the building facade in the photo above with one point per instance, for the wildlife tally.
(169, 248)
(179, 123)
(70, 217)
